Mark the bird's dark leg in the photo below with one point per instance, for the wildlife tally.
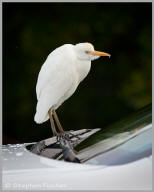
(58, 122)
(60, 126)
(52, 124)
(62, 133)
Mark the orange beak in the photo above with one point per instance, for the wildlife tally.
(98, 53)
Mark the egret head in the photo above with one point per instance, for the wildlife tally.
(85, 51)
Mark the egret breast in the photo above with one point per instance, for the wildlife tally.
(83, 68)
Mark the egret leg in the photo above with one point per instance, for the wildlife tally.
(58, 122)
(60, 126)
(53, 127)
(52, 124)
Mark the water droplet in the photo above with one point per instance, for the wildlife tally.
(11, 145)
(19, 154)
(5, 149)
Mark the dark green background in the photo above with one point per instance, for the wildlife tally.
(114, 88)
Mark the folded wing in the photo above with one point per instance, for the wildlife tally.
(57, 80)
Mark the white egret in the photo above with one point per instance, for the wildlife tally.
(59, 77)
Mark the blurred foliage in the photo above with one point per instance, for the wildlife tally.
(114, 88)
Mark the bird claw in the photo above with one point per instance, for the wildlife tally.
(74, 136)
(69, 136)
(66, 136)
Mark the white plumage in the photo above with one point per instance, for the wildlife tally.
(60, 76)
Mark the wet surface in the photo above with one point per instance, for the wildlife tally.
(19, 156)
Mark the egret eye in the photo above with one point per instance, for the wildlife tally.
(87, 52)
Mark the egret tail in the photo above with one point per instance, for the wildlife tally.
(41, 112)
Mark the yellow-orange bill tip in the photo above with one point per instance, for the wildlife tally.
(98, 53)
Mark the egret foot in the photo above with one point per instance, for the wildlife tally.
(68, 137)
(75, 136)
(61, 134)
